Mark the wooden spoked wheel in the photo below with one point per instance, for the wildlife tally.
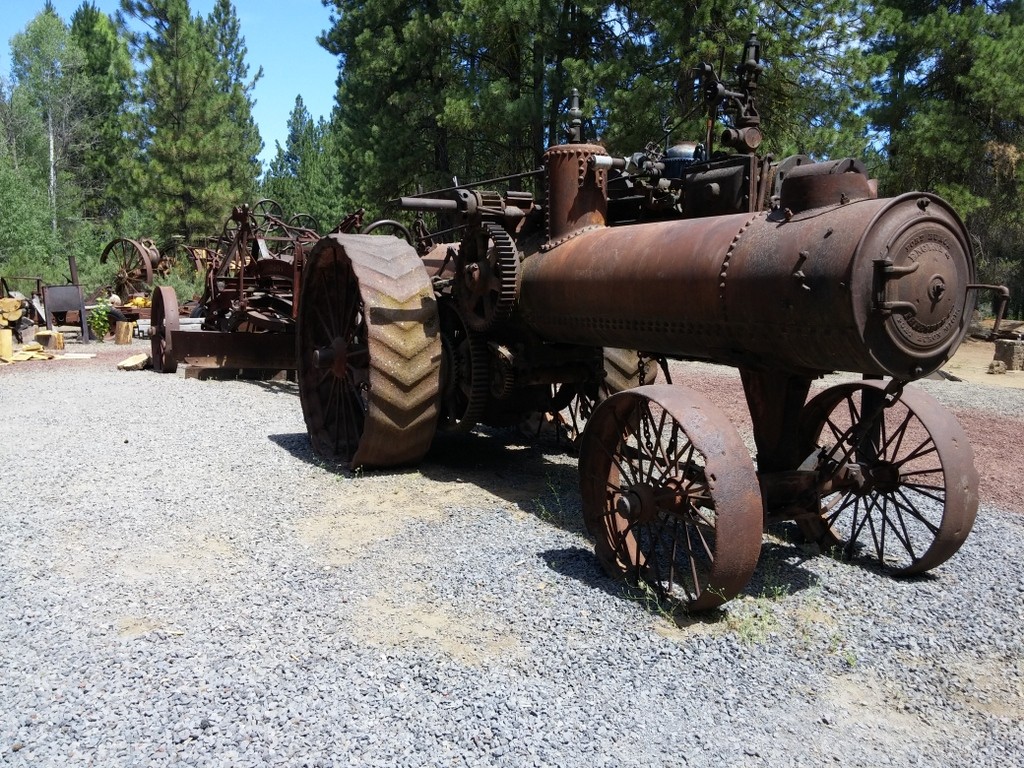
(163, 320)
(897, 482)
(670, 495)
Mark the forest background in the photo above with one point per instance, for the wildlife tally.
(107, 131)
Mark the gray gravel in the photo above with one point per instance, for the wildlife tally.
(181, 581)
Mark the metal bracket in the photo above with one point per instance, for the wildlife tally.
(885, 271)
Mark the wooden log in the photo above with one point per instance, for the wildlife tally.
(1011, 353)
(134, 363)
(6, 343)
(123, 332)
(50, 339)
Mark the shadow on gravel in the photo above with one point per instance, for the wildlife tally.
(298, 445)
(539, 480)
(542, 480)
(277, 387)
(779, 573)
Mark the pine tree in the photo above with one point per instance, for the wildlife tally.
(469, 88)
(105, 154)
(952, 109)
(231, 79)
(303, 177)
(186, 178)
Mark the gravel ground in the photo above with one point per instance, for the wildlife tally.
(183, 582)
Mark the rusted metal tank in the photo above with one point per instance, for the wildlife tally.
(856, 284)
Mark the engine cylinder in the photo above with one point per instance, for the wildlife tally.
(871, 286)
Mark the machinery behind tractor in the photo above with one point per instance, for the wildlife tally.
(786, 270)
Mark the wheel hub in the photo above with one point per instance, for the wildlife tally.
(884, 477)
(638, 504)
(334, 357)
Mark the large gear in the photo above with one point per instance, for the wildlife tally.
(488, 276)
(465, 380)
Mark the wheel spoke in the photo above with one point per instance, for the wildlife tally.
(901, 532)
(911, 509)
(670, 533)
(920, 452)
(896, 485)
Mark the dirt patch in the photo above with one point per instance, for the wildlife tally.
(390, 620)
(971, 361)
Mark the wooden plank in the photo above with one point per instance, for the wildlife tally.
(6, 343)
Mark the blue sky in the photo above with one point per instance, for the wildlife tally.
(280, 37)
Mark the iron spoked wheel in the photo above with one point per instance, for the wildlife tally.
(226, 248)
(369, 351)
(133, 267)
(335, 357)
(306, 222)
(163, 320)
(267, 214)
(897, 484)
(670, 495)
(389, 227)
(573, 404)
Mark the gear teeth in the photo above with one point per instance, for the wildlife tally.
(482, 313)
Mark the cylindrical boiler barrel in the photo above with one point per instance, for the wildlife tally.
(872, 286)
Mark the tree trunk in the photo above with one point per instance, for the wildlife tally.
(53, 172)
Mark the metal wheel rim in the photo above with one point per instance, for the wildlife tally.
(670, 495)
(305, 221)
(162, 323)
(134, 269)
(908, 525)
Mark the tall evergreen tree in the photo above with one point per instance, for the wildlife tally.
(440, 88)
(231, 80)
(187, 178)
(106, 152)
(303, 176)
(952, 110)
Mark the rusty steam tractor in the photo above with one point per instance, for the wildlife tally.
(786, 270)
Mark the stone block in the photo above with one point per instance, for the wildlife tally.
(1011, 353)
